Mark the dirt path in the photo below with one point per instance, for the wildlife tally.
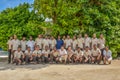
(60, 72)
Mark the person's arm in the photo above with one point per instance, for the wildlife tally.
(71, 42)
(23, 56)
(12, 46)
(15, 55)
(8, 45)
(90, 42)
(110, 54)
(50, 44)
(99, 52)
(90, 54)
(84, 43)
(65, 52)
(82, 53)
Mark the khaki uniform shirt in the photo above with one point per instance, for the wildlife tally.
(101, 43)
(96, 52)
(15, 44)
(80, 42)
(28, 53)
(18, 54)
(74, 42)
(46, 42)
(87, 42)
(39, 42)
(79, 53)
(23, 45)
(46, 52)
(37, 52)
(87, 53)
(68, 42)
(53, 43)
(94, 41)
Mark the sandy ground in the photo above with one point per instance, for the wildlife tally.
(60, 72)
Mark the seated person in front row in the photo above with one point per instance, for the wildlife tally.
(54, 55)
(107, 55)
(96, 54)
(63, 55)
(37, 54)
(18, 56)
(70, 53)
(28, 55)
(87, 55)
(46, 54)
(78, 56)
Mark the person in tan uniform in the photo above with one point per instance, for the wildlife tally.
(39, 41)
(87, 41)
(101, 44)
(78, 56)
(46, 42)
(68, 42)
(64, 38)
(52, 42)
(63, 55)
(54, 56)
(96, 54)
(94, 41)
(37, 54)
(46, 54)
(28, 55)
(15, 45)
(9, 43)
(18, 56)
(23, 44)
(80, 41)
(70, 53)
(74, 43)
(87, 55)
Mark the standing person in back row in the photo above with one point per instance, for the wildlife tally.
(74, 43)
(23, 44)
(9, 43)
(101, 43)
(68, 42)
(80, 41)
(46, 42)
(94, 41)
(59, 43)
(87, 41)
(52, 43)
(39, 41)
(31, 43)
(15, 45)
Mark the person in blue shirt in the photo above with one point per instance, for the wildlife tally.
(59, 43)
(107, 55)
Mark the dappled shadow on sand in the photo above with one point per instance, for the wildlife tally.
(5, 66)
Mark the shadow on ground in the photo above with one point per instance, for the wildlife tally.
(6, 66)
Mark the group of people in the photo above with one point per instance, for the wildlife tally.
(61, 50)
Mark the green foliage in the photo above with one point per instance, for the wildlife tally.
(84, 16)
(20, 21)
